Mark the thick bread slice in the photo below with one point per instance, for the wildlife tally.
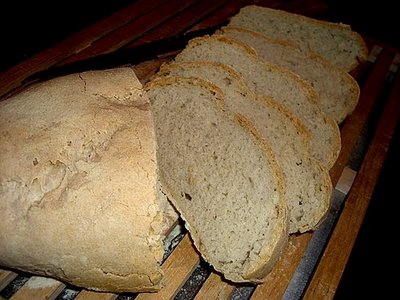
(271, 80)
(338, 90)
(221, 177)
(78, 183)
(308, 187)
(335, 42)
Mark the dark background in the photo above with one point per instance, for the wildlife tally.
(27, 27)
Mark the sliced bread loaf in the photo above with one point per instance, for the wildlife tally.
(221, 177)
(308, 187)
(78, 183)
(274, 81)
(338, 91)
(335, 42)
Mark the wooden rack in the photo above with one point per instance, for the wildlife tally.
(143, 22)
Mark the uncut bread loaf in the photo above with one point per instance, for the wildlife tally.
(274, 81)
(78, 183)
(338, 90)
(335, 42)
(221, 177)
(307, 184)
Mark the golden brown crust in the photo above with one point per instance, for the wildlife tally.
(246, 48)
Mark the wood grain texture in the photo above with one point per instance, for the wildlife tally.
(183, 22)
(6, 277)
(215, 288)
(129, 32)
(90, 295)
(39, 288)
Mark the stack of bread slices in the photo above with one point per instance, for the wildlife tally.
(281, 79)
(238, 132)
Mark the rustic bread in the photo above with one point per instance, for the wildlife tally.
(220, 176)
(271, 80)
(335, 42)
(338, 91)
(307, 184)
(78, 183)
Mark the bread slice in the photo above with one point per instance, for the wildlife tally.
(308, 187)
(221, 177)
(335, 42)
(339, 91)
(271, 80)
(78, 183)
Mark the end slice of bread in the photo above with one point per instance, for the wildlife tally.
(335, 42)
(221, 177)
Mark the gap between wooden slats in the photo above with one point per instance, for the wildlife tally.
(331, 267)
(15, 76)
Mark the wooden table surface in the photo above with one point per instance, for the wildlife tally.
(143, 22)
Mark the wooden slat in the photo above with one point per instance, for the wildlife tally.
(177, 268)
(333, 262)
(131, 31)
(355, 122)
(90, 295)
(15, 76)
(277, 281)
(6, 277)
(181, 23)
(215, 288)
(39, 288)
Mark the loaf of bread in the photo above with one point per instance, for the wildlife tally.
(335, 42)
(78, 183)
(220, 176)
(338, 91)
(307, 184)
(271, 80)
